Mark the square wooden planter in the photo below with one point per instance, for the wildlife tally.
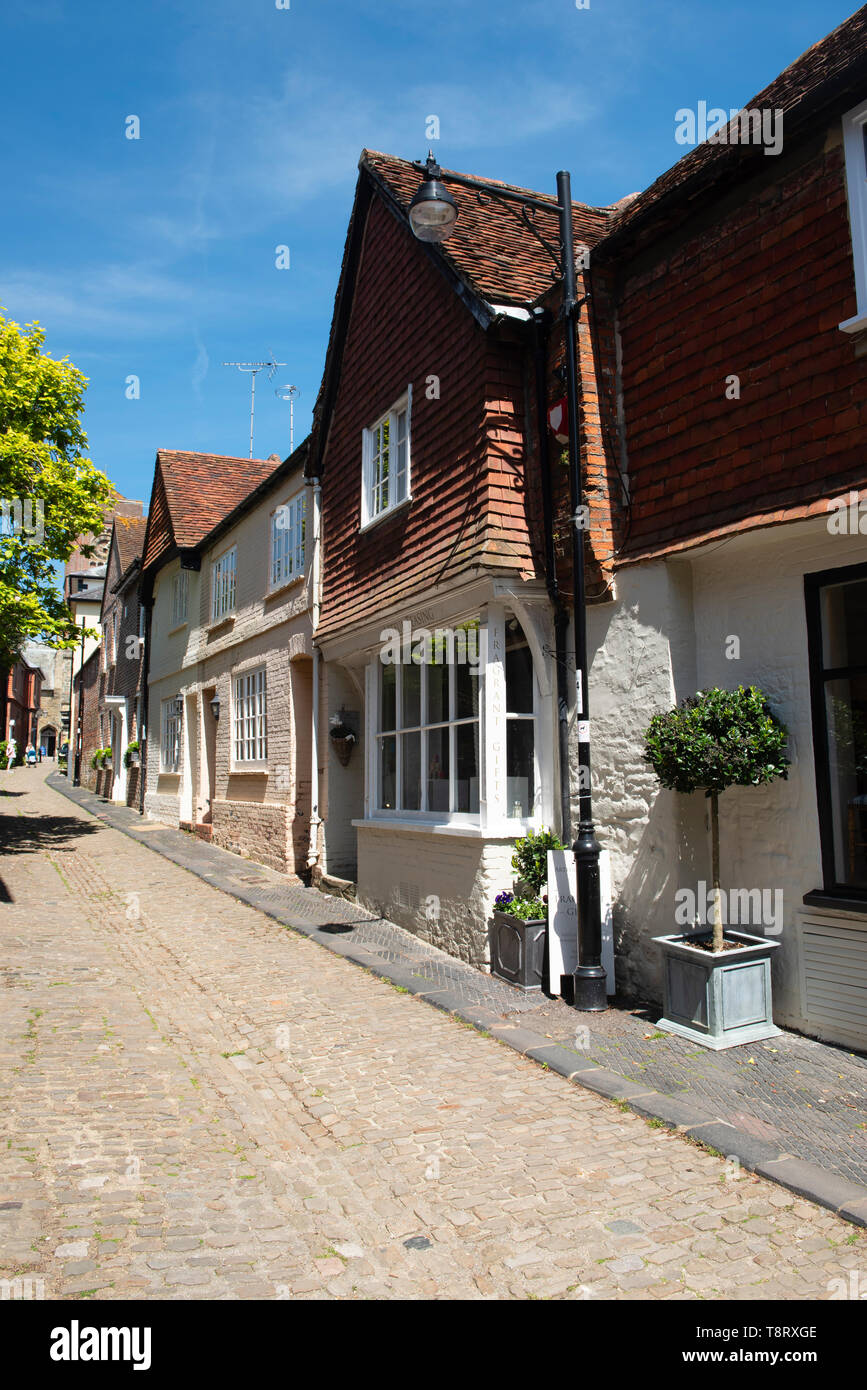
(518, 950)
(718, 1000)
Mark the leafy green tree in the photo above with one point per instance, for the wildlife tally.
(714, 740)
(55, 490)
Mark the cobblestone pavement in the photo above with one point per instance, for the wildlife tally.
(805, 1098)
(199, 1103)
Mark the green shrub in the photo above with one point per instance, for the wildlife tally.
(530, 859)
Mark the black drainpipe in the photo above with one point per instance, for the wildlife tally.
(143, 706)
(541, 323)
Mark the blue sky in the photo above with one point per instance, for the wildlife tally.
(156, 257)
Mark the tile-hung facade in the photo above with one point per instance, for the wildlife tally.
(438, 729)
(120, 691)
(722, 360)
(742, 411)
(230, 680)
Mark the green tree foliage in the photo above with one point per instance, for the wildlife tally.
(714, 740)
(42, 461)
(717, 739)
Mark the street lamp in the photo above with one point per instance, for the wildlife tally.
(433, 214)
(433, 211)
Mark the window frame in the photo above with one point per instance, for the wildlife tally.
(424, 815)
(368, 453)
(855, 151)
(819, 675)
(217, 570)
(299, 568)
(169, 717)
(532, 717)
(180, 587)
(252, 673)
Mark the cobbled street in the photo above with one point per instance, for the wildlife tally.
(201, 1104)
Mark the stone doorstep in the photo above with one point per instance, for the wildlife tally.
(846, 1199)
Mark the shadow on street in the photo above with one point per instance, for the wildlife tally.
(24, 834)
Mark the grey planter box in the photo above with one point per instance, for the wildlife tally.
(718, 1000)
(518, 950)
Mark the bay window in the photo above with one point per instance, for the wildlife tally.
(436, 742)
(428, 754)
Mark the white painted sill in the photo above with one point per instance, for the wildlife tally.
(385, 516)
(226, 621)
(289, 584)
(260, 769)
(178, 628)
(412, 827)
(856, 325)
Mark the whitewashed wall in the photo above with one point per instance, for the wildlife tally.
(663, 638)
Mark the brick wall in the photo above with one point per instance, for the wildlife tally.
(87, 687)
(753, 286)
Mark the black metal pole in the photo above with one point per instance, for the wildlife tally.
(79, 727)
(561, 617)
(590, 984)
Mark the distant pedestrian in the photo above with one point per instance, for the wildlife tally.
(30, 755)
(11, 750)
(42, 752)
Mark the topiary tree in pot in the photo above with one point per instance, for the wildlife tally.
(712, 741)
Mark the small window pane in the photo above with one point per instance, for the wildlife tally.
(520, 774)
(846, 709)
(519, 671)
(387, 773)
(411, 771)
(467, 755)
(438, 770)
(844, 624)
(437, 694)
(411, 696)
(466, 691)
(388, 706)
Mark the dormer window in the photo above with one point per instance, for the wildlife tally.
(386, 462)
(855, 146)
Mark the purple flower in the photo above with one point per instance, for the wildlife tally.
(503, 899)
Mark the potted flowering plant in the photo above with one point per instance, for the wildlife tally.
(343, 736)
(519, 933)
(132, 756)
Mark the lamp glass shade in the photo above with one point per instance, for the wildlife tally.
(433, 212)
